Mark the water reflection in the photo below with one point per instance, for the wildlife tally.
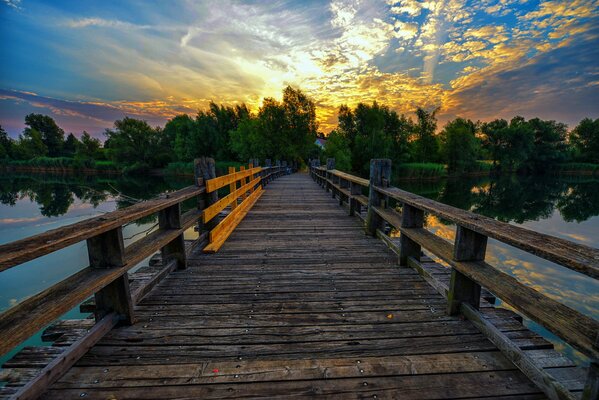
(516, 199)
(55, 195)
(567, 208)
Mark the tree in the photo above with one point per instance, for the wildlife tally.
(52, 135)
(135, 142)
(6, 144)
(585, 139)
(425, 144)
(89, 148)
(182, 132)
(30, 145)
(549, 144)
(71, 145)
(337, 147)
(494, 139)
(509, 144)
(459, 145)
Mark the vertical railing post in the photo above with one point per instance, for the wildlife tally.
(329, 175)
(107, 250)
(343, 184)
(591, 387)
(354, 204)
(232, 188)
(170, 218)
(380, 175)
(469, 246)
(411, 217)
(268, 171)
(204, 170)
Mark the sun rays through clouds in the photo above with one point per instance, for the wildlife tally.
(477, 59)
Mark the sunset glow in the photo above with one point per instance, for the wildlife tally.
(87, 65)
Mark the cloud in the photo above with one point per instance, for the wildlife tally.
(104, 23)
(13, 4)
(407, 53)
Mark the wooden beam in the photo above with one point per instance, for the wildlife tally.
(469, 246)
(170, 218)
(232, 189)
(411, 217)
(217, 183)
(573, 327)
(27, 249)
(107, 251)
(380, 173)
(219, 235)
(61, 364)
(231, 198)
(544, 381)
(578, 257)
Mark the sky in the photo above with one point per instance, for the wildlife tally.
(89, 63)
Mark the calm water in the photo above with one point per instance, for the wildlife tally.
(562, 207)
(32, 204)
(568, 208)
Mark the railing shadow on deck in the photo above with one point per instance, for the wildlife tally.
(469, 271)
(106, 278)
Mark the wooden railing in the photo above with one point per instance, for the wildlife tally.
(109, 260)
(469, 271)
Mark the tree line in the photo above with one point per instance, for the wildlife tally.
(533, 146)
(287, 130)
(284, 130)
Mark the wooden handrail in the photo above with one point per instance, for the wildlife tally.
(110, 259)
(20, 251)
(466, 257)
(578, 257)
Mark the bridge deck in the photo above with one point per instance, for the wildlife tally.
(298, 302)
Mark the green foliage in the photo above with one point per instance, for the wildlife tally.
(337, 147)
(71, 145)
(509, 145)
(549, 146)
(585, 139)
(51, 134)
(136, 144)
(89, 147)
(459, 145)
(374, 131)
(30, 145)
(6, 145)
(426, 144)
(282, 130)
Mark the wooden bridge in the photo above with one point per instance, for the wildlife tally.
(305, 294)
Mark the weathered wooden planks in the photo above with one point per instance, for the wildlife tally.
(297, 303)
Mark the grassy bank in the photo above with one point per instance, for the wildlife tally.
(186, 168)
(61, 165)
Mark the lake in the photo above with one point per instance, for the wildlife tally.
(563, 207)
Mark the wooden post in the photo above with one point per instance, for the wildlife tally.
(380, 175)
(591, 387)
(204, 169)
(232, 188)
(170, 218)
(329, 176)
(411, 217)
(249, 178)
(107, 250)
(354, 205)
(343, 184)
(469, 246)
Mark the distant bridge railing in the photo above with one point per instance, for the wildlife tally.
(469, 271)
(109, 260)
